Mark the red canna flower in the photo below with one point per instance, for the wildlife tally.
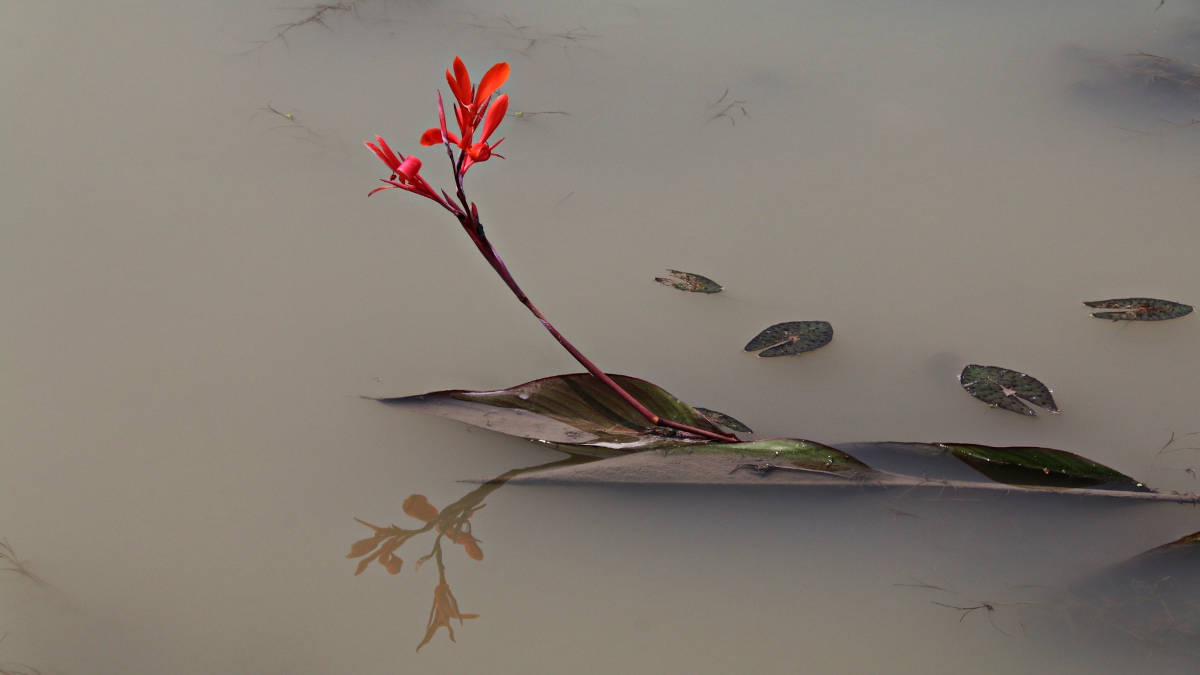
(472, 106)
(405, 171)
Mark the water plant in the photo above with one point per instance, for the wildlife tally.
(596, 414)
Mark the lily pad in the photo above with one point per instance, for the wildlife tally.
(1139, 309)
(791, 337)
(1007, 389)
(686, 281)
(574, 409)
(1042, 467)
(721, 419)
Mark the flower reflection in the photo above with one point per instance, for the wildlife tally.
(452, 523)
(445, 608)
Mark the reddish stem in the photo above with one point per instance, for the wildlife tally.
(468, 215)
(475, 230)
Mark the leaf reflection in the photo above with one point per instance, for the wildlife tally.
(453, 523)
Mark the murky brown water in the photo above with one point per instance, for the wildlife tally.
(197, 292)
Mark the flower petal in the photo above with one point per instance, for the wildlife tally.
(495, 116)
(460, 82)
(410, 167)
(492, 80)
(384, 153)
(431, 137)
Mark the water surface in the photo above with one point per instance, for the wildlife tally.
(198, 291)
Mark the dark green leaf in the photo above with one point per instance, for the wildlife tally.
(791, 337)
(686, 281)
(573, 409)
(1139, 309)
(724, 420)
(1042, 467)
(1004, 388)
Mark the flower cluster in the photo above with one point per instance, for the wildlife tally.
(473, 105)
(474, 110)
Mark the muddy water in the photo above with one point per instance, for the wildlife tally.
(197, 292)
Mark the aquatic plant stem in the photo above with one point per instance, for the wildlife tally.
(469, 111)
(474, 230)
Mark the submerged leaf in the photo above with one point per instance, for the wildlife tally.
(791, 337)
(1139, 309)
(1004, 388)
(575, 409)
(724, 420)
(1153, 597)
(789, 453)
(686, 281)
(1042, 467)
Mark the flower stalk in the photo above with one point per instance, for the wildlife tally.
(475, 109)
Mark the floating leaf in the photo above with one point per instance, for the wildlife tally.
(1004, 388)
(724, 420)
(573, 409)
(1041, 467)
(788, 453)
(686, 281)
(1139, 309)
(806, 464)
(791, 337)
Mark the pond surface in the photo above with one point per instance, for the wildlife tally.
(197, 293)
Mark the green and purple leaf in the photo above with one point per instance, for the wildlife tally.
(1041, 467)
(574, 409)
(791, 337)
(1139, 309)
(1007, 389)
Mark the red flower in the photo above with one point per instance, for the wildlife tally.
(405, 171)
(472, 106)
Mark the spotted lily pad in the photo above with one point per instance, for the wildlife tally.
(1007, 389)
(1041, 467)
(724, 420)
(686, 281)
(1139, 309)
(791, 337)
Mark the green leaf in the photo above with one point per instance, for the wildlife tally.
(787, 453)
(1007, 389)
(1042, 467)
(791, 337)
(1139, 309)
(727, 421)
(686, 281)
(574, 409)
